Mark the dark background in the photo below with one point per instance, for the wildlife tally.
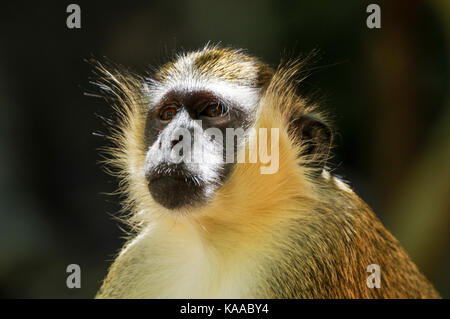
(387, 91)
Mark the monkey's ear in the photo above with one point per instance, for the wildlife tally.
(316, 138)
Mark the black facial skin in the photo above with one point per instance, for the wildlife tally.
(177, 185)
(174, 186)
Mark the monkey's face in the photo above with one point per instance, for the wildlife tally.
(196, 122)
(185, 161)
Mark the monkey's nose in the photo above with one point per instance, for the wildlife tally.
(175, 141)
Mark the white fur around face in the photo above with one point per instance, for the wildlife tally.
(245, 97)
(188, 79)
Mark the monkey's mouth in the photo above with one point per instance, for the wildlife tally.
(178, 172)
(175, 186)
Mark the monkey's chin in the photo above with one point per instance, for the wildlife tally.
(176, 193)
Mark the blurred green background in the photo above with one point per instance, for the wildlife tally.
(387, 91)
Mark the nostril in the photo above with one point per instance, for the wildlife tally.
(175, 142)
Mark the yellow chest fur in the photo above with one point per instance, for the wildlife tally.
(174, 262)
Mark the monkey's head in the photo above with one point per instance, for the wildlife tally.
(183, 127)
(195, 101)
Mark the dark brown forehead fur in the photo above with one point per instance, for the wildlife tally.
(224, 63)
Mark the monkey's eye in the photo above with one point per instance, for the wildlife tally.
(168, 113)
(213, 110)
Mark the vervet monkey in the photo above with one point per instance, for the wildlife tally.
(220, 228)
